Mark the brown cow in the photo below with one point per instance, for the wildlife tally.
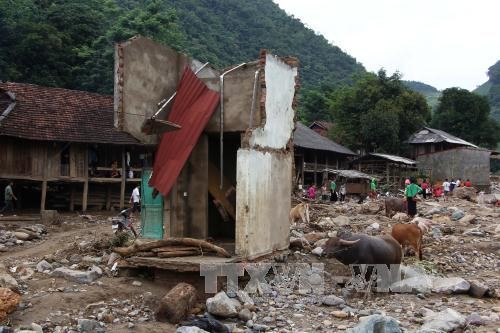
(301, 211)
(409, 234)
(394, 205)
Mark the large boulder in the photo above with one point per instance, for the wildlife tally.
(78, 276)
(221, 305)
(177, 303)
(7, 281)
(9, 301)
(445, 321)
(23, 236)
(466, 193)
(416, 284)
(376, 323)
(332, 300)
(451, 285)
(477, 288)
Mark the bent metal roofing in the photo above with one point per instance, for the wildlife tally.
(307, 138)
(432, 135)
(56, 114)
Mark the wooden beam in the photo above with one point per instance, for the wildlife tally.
(315, 168)
(44, 195)
(108, 197)
(122, 185)
(72, 198)
(85, 195)
(220, 194)
(302, 167)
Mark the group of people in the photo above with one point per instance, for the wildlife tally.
(427, 189)
(329, 191)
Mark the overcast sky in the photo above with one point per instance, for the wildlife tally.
(444, 43)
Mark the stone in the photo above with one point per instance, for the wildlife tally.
(468, 219)
(22, 236)
(245, 314)
(451, 285)
(416, 284)
(7, 281)
(332, 300)
(340, 314)
(435, 211)
(321, 243)
(457, 215)
(375, 226)
(401, 217)
(221, 305)
(341, 221)
(376, 323)
(318, 251)
(9, 301)
(137, 283)
(441, 219)
(244, 298)
(177, 303)
(78, 276)
(446, 320)
(475, 319)
(88, 326)
(190, 329)
(313, 237)
(43, 266)
(466, 193)
(37, 328)
(477, 289)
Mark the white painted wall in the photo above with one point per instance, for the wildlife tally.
(280, 89)
(263, 202)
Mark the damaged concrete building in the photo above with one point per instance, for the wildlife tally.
(223, 166)
(61, 150)
(442, 155)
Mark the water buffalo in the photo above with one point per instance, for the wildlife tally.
(394, 205)
(364, 249)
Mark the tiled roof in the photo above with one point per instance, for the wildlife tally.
(56, 114)
(307, 138)
(321, 123)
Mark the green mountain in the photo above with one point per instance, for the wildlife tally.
(430, 93)
(491, 89)
(70, 43)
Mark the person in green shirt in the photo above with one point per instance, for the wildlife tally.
(373, 189)
(333, 190)
(411, 192)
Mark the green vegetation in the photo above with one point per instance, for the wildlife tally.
(377, 113)
(69, 43)
(467, 115)
(430, 93)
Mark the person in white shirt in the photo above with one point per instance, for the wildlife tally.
(446, 188)
(135, 199)
(459, 182)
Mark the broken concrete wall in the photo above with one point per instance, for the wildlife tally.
(264, 166)
(146, 73)
(465, 163)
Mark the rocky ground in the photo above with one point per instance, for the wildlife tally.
(63, 275)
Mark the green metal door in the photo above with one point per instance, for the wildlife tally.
(151, 209)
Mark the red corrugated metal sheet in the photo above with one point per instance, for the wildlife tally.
(193, 106)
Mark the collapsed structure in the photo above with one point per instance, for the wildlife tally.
(234, 183)
(442, 155)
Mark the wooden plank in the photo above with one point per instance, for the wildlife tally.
(220, 194)
(108, 197)
(19, 218)
(72, 198)
(178, 264)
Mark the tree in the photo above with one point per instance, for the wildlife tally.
(467, 116)
(378, 113)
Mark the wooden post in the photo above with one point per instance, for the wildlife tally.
(122, 187)
(85, 195)
(315, 168)
(108, 197)
(302, 169)
(44, 195)
(72, 198)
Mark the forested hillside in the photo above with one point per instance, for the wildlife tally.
(431, 93)
(69, 43)
(491, 89)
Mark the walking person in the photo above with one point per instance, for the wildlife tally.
(9, 198)
(342, 192)
(468, 183)
(325, 194)
(411, 197)
(373, 189)
(446, 189)
(333, 189)
(135, 199)
(424, 186)
(312, 192)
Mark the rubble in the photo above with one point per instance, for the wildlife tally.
(223, 306)
(444, 321)
(8, 302)
(177, 303)
(78, 276)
